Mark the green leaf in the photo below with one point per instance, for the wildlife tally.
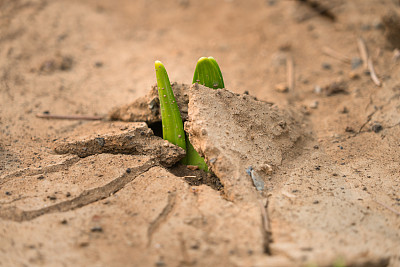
(208, 73)
(172, 124)
(193, 157)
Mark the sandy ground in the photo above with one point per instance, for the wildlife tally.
(331, 172)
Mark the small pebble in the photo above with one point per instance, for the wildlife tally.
(314, 105)
(356, 62)
(52, 197)
(282, 88)
(349, 129)
(98, 64)
(316, 202)
(354, 75)
(376, 127)
(344, 110)
(326, 66)
(317, 89)
(97, 229)
(8, 193)
(128, 170)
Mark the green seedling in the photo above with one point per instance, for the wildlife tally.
(209, 74)
(172, 124)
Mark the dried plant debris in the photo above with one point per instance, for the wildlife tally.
(119, 138)
(392, 28)
(147, 108)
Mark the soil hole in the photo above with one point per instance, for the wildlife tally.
(157, 128)
(192, 177)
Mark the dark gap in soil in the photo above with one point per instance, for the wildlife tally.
(157, 128)
(192, 177)
(197, 177)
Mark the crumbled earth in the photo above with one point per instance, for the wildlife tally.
(330, 193)
(119, 138)
(147, 108)
(235, 132)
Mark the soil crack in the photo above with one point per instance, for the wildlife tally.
(47, 169)
(85, 198)
(161, 218)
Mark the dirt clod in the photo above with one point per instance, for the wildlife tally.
(119, 137)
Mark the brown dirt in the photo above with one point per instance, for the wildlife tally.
(331, 176)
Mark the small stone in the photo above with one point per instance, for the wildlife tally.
(314, 105)
(376, 127)
(344, 110)
(316, 202)
(41, 177)
(128, 170)
(97, 229)
(326, 66)
(354, 75)
(8, 193)
(282, 88)
(52, 197)
(356, 62)
(317, 89)
(64, 221)
(98, 64)
(349, 129)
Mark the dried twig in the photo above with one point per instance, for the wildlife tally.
(266, 227)
(363, 52)
(69, 117)
(387, 207)
(367, 61)
(373, 74)
(290, 73)
(332, 53)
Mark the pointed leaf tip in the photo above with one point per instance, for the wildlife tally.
(158, 64)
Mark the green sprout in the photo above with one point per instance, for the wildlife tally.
(207, 73)
(172, 124)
